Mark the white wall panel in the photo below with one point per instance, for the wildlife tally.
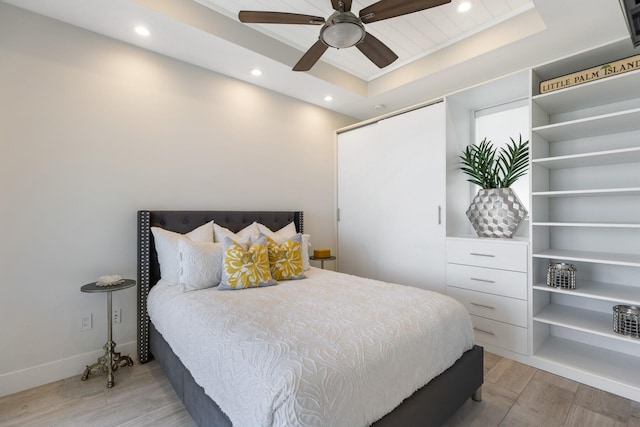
(92, 130)
(391, 195)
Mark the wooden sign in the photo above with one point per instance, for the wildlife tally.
(590, 74)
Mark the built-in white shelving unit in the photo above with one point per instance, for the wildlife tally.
(584, 210)
(585, 175)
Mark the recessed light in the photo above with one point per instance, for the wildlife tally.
(328, 98)
(379, 107)
(142, 31)
(464, 6)
(256, 72)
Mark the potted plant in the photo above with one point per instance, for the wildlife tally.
(496, 210)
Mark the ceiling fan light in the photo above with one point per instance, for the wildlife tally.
(343, 29)
(342, 34)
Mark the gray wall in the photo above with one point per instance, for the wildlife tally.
(92, 130)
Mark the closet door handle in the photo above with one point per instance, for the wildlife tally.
(483, 331)
(484, 255)
(439, 215)
(482, 305)
(482, 280)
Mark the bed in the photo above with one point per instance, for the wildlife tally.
(430, 405)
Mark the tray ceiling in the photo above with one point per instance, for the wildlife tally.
(440, 51)
(410, 36)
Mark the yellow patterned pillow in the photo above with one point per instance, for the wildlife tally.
(245, 268)
(285, 259)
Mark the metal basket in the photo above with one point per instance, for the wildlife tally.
(561, 275)
(626, 320)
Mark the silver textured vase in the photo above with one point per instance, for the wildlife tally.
(496, 212)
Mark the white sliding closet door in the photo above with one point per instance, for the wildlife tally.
(391, 197)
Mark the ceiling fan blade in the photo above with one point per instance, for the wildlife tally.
(336, 5)
(312, 56)
(257, 17)
(385, 9)
(376, 51)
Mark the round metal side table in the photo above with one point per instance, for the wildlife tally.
(111, 360)
(322, 260)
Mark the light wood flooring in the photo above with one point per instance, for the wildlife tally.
(513, 395)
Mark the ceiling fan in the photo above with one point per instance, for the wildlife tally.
(343, 28)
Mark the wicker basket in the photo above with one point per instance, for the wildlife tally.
(561, 275)
(626, 320)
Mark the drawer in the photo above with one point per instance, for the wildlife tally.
(491, 332)
(499, 282)
(492, 253)
(503, 309)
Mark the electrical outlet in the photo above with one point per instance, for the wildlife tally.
(86, 322)
(116, 315)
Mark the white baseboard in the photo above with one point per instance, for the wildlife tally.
(25, 379)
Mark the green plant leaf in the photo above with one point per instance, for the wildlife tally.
(478, 161)
(513, 161)
(489, 168)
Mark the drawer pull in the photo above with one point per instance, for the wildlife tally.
(482, 280)
(483, 331)
(482, 305)
(484, 255)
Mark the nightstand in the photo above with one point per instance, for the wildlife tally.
(111, 360)
(322, 260)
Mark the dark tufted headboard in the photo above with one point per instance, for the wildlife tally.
(183, 222)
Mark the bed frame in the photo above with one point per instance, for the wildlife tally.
(432, 405)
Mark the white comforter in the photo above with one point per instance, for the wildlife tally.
(329, 350)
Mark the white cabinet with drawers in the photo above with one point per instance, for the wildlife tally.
(489, 276)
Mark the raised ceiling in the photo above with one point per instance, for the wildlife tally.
(440, 50)
(410, 36)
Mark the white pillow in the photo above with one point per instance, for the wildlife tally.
(166, 244)
(200, 264)
(284, 234)
(243, 236)
(305, 251)
(281, 235)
